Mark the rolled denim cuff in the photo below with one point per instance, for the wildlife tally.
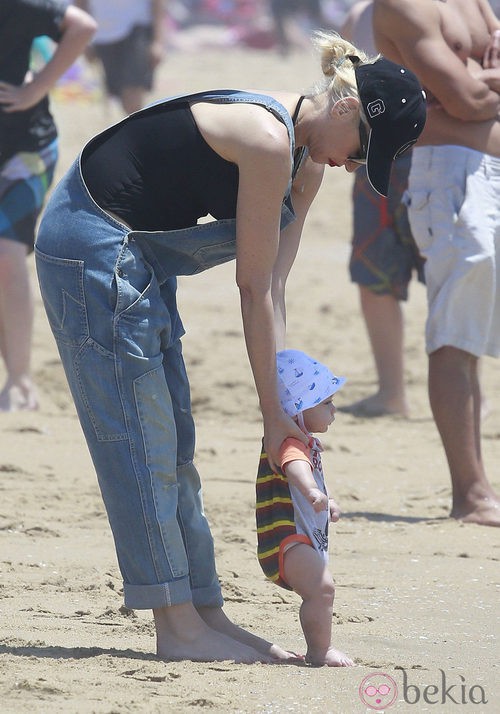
(149, 597)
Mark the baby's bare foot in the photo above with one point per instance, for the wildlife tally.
(336, 658)
(333, 658)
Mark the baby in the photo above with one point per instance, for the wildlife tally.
(293, 508)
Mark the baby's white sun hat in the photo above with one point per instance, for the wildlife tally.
(303, 382)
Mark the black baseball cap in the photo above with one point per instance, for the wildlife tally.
(395, 108)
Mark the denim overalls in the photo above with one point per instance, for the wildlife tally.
(109, 294)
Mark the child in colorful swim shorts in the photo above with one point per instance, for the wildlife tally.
(293, 509)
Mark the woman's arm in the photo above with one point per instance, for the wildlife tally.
(252, 138)
(77, 30)
(305, 188)
(264, 170)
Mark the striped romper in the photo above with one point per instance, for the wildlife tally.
(284, 516)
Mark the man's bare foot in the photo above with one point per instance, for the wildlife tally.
(181, 634)
(333, 658)
(216, 618)
(377, 406)
(483, 512)
(18, 396)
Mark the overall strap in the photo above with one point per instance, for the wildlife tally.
(297, 109)
(302, 152)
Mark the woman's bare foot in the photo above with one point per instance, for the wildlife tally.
(18, 396)
(216, 618)
(333, 658)
(181, 634)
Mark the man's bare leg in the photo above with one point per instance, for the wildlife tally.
(16, 325)
(456, 405)
(385, 326)
(182, 634)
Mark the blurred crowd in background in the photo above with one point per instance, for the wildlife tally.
(256, 13)
(260, 24)
(256, 19)
(282, 26)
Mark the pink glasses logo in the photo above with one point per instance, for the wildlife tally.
(378, 691)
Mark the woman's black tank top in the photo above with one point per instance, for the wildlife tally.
(157, 172)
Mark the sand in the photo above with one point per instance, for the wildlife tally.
(415, 589)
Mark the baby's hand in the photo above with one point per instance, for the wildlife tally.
(318, 500)
(334, 510)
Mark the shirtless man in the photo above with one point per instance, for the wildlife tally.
(455, 218)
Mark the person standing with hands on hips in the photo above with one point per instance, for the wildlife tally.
(293, 509)
(28, 155)
(119, 229)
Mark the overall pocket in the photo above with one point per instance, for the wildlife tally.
(62, 290)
